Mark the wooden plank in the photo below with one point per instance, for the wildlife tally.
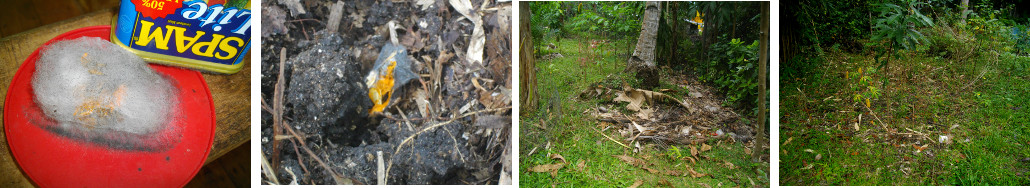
(18, 16)
(54, 11)
(231, 93)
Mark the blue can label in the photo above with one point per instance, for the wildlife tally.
(215, 31)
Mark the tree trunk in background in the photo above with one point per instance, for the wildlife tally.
(965, 7)
(642, 62)
(671, 58)
(763, 58)
(676, 32)
(527, 66)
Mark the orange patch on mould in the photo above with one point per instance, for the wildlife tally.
(381, 92)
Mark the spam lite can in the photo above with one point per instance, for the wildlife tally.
(209, 35)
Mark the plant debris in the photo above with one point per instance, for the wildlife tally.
(663, 118)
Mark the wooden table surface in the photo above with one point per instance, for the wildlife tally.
(231, 93)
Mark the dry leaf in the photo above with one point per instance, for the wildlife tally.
(582, 165)
(920, 148)
(558, 157)
(422, 101)
(808, 167)
(478, 39)
(730, 165)
(696, 174)
(705, 147)
(665, 182)
(859, 120)
(693, 151)
(650, 170)
(818, 156)
(692, 160)
(645, 113)
(295, 7)
(635, 99)
(788, 141)
(637, 184)
(425, 3)
(552, 168)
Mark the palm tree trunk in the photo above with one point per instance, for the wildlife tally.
(642, 62)
(527, 66)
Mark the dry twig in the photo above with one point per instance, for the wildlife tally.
(277, 107)
(337, 178)
(610, 138)
(269, 172)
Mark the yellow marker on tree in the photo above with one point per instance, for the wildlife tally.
(698, 21)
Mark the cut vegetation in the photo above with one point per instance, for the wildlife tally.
(951, 107)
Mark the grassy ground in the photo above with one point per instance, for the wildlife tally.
(572, 133)
(985, 117)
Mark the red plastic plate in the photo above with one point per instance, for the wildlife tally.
(52, 160)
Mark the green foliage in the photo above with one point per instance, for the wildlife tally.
(951, 42)
(674, 152)
(1021, 38)
(897, 25)
(824, 23)
(734, 69)
(862, 86)
(545, 22)
(815, 24)
(618, 19)
(553, 20)
(991, 110)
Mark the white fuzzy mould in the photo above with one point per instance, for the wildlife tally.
(91, 85)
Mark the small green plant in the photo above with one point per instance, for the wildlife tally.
(864, 91)
(983, 100)
(674, 152)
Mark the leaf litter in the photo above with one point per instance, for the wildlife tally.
(658, 117)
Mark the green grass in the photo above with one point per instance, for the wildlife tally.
(572, 134)
(925, 95)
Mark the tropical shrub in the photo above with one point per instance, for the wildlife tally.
(734, 69)
(897, 26)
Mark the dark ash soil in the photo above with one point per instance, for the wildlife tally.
(326, 102)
